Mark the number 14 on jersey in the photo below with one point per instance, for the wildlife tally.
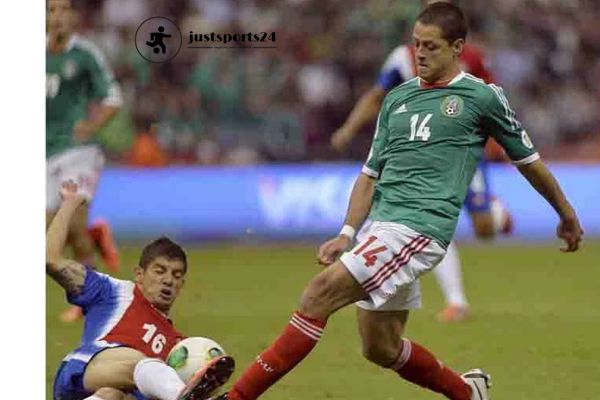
(422, 132)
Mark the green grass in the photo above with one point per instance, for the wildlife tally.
(536, 324)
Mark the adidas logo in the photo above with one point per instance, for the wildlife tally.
(401, 109)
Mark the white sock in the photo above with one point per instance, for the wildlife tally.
(93, 397)
(156, 380)
(449, 276)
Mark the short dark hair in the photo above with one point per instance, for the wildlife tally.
(448, 17)
(162, 247)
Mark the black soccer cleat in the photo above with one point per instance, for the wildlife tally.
(207, 380)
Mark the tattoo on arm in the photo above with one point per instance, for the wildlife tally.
(68, 274)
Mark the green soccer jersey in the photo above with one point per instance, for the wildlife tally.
(426, 148)
(74, 78)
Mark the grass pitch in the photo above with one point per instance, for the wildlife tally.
(535, 325)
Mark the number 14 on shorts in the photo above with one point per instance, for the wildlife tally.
(369, 254)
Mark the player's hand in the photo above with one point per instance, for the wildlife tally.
(340, 140)
(570, 231)
(84, 130)
(332, 249)
(69, 193)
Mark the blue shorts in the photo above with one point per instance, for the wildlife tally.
(68, 384)
(479, 194)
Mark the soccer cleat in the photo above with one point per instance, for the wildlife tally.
(208, 379)
(479, 381)
(453, 313)
(71, 314)
(102, 236)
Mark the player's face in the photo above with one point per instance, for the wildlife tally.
(434, 56)
(60, 17)
(161, 281)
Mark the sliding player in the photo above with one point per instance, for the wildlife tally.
(127, 333)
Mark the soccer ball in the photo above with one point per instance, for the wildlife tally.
(192, 354)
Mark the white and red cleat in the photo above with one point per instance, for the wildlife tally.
(207, 380)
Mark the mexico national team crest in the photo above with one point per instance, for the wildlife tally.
(452, 106)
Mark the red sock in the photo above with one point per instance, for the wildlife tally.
(297, 340)
(417, 365)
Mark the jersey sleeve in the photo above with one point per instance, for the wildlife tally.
(389, 78)
(103, 85)
(96, 288)
(374, 164)
(499, 121)
(394, 70)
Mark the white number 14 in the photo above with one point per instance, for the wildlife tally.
(423, 132)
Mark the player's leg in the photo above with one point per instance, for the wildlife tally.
(329, 291)
(102, 236)
(381, 333)
(52, 189)
(364, 272)
(99, 230)
(80, 165)
(79, 238)
(488, 214)
(448, 274)
(127, 369)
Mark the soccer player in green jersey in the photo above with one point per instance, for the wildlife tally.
(488, 214)
(430, 135)
(76, 76)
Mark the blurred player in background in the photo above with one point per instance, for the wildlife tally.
(431, 130)
(127, 333)
(488, 214)
(76, 76)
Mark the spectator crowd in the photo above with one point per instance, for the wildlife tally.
(249, 105)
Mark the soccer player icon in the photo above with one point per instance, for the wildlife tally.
(127, 333)
(156, 39)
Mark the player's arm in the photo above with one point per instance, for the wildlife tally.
(499, 119)
(361, 197)
(359, 206)
(364, 111)
(369, 104)
(544, 182)
(105, 90)
(67, 273)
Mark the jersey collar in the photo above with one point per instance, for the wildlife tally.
(425, 85)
